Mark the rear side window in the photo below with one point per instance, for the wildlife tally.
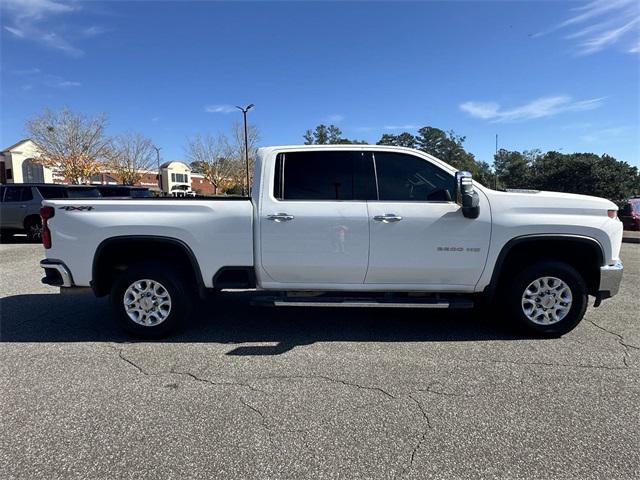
(324, 175)
(404, 177)
(83, 193)
(51, 192)
(18, 194)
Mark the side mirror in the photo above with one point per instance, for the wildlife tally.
(466, 196)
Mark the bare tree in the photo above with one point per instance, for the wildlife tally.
(73, 144)
(131, 154)
(253, 137)
(214, 157)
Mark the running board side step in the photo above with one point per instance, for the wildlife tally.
(368, 303)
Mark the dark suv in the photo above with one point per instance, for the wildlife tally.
(630, 214)
(20, 205)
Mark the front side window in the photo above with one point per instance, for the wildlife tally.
(324, 175)
(403, 177)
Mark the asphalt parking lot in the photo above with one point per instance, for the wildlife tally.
(254, 393)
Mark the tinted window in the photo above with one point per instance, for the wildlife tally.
(83, 193)
(325, 175)
(112, 192)
(51, 192)
(18, 194)
(407, 178)
(626, 210)
(140, 193)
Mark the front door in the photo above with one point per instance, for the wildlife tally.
(314, 223)
(418, 232)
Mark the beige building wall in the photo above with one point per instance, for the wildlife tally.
(175, 176)
(20, 167)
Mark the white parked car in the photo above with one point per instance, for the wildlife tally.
(370, 226)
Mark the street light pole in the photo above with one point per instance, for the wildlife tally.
(246, 142)
(157, 149)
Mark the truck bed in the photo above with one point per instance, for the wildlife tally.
(217, 230)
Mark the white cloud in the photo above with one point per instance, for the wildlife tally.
(59, 82)
(26, 19)
(37, 9)
(219, 108)
(27, 71)
(635, 48)
(538, 108)
(602, 24)
(401, 127)
(335, 118)
(17, 32)
(94, 30)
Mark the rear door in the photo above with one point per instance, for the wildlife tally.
(418, 233)
(313, 217)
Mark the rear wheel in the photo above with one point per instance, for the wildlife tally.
(151, 299)
(33, 227)
(549, 298)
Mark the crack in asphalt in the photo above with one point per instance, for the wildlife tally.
(423, 437)
(625, 346)
(430, 389)
(329, 379)
(547, 364)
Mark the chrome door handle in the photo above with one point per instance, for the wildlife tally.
(280, 217)
(387, 218)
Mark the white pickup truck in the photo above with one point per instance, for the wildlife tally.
(343, 226)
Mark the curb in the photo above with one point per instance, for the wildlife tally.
(630, 239)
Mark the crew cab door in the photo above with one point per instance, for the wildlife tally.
(314, 223)
(418, 233)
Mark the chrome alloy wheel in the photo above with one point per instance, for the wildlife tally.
(147, 302)
(547, 300)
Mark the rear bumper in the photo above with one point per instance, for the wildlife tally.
(56, 273)
(610, 279)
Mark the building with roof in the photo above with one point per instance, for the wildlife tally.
(18, 164)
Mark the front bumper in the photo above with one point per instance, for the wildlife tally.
(610, 278)
(56, 273)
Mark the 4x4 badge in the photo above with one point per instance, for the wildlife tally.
(81, 208)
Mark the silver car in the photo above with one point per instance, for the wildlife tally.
(20, 205)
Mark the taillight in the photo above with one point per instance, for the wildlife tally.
(612, 213)
(45, 214)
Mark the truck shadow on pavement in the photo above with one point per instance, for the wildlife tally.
(229, 319)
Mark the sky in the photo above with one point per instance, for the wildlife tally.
(551, 75)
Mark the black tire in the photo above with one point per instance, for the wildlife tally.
(517, 285)
(33, 229)
(176, 286)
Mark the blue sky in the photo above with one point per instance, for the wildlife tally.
(542, 74)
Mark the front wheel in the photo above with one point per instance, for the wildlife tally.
(151, 299)
(549, 298)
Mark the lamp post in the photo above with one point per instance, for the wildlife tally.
(157, 149)
(246, 141)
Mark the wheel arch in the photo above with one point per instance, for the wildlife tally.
(562, 247)
(118, 253)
